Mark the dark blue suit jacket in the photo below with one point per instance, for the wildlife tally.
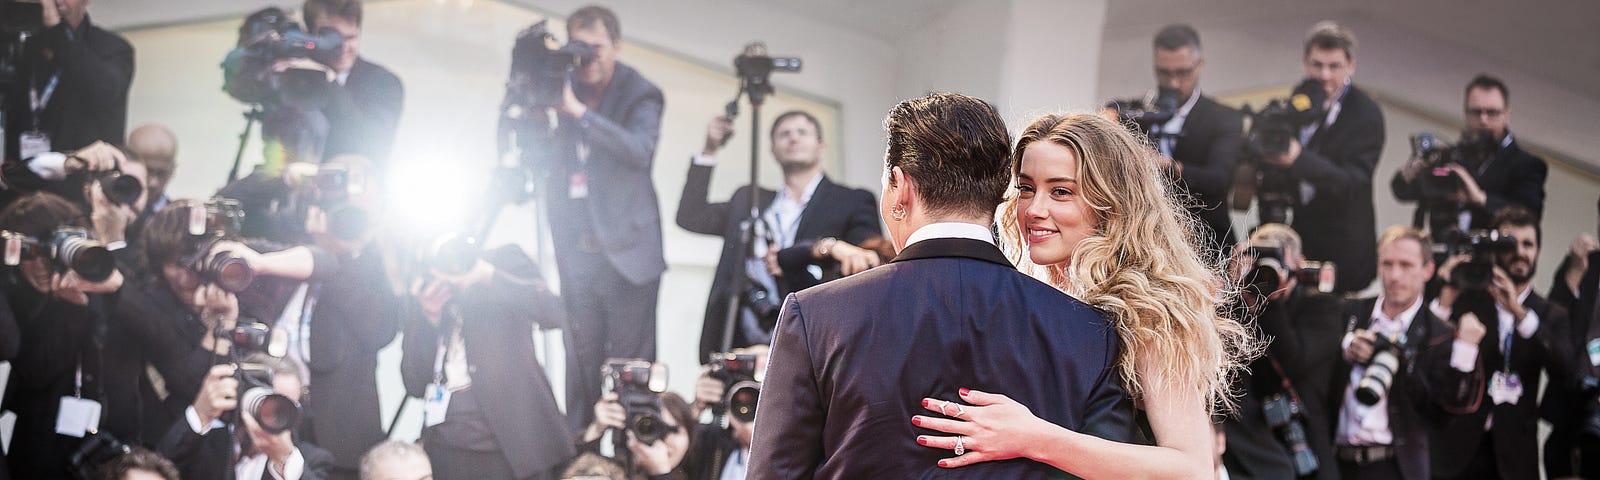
(853, 358)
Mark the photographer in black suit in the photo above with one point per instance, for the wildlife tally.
(1305, 328)
(810, 221)
(364, 109)
(1332, 162)
(1498, 439)
(1200, 144)
(72, 88)
(202, 445)
(1493, 173)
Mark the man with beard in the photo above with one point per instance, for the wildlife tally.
(1498, 437)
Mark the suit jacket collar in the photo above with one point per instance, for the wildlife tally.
(952, 248)
(813, 207)
(621, 84)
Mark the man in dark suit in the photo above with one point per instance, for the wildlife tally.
(79, 73)
(1500, 435)
(1494, 172)
(605, 220)
(1332, 162)
(202, 446)
(852, 357)
(1573, 448)
(1389, 438)
(489, 410)
(1200, 144)
(810, 221)
(363, 108)
(1305, 327)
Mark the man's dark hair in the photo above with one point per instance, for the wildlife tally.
(1177, 36)
(166, 234)
(38, 214)
(1517, 216)
(1485, 81)
(587, 16)
(1329, 35)
(138, 459)
(957, 149)
(315, 11)
(795, 113)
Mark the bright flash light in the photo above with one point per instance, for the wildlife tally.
(426, 195)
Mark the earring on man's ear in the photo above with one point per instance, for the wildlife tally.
(898, 212)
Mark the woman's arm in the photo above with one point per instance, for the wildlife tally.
(998, 428)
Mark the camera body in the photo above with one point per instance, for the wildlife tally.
(737, 372)
(1263, 278)
(638, 385)
(118, 188)
(272, 411)
(1480, 246)
(1284, 415)
(1146, 112)
(539, 66)
(1381, 370)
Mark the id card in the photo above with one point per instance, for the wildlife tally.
(32, 143)
(78, 417)
(578, 186)
(1505, 388)
(436, 399)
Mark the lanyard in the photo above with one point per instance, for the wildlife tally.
(454, 319)
(306, 308)
(1505, 349)
(40, 100)
(77, 378)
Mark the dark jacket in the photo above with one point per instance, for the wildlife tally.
(1305, 332)
(1509, 177)
(90, 101)
(853, 359)
(1208, 149)
(1424, 391)
(1338, 223)
(356, 314)
(507, 380)
(364, 113)
(1566, 399)
(848, 214)
(210, 455)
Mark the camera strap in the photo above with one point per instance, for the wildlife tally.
(41, 99)
(436, 396)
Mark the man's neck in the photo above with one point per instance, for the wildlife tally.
(1392, 308)
(797, 181)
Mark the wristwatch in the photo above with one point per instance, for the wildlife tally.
(823, 247)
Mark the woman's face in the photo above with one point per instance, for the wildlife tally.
(677, 440)
(1051, 213)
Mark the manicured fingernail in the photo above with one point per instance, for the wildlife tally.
(922, 440)
(916, 421)
(964, 392)
(924, 402)
(944, 464)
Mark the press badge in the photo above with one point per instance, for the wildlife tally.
(578, 186)
(1594, 352)
(434, 403)
(78, 416)
(1505, 388)
(32, 143)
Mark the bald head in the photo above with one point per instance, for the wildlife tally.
(157, 147)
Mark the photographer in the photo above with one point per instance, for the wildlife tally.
(604, 217)
(1499, 436)
(1200, 144)
(73, 85)
(1492, 171)
(60, 375)
(722, 448)
(1305, 328)
(488, 410)
(1332, 162)
(1573, 447)
(363, 111)
(810, 221)
(1394, 380)
(65, 173)
(202, 444)
(661, 459)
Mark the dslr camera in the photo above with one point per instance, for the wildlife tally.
(274, 412)
(1440, 186)
(1480, 246)
(1264, 275)
(737, 372)
(1284, 415)
(1143, 114)
(216, 220)
(327, 187)
(638, 385)
(68, 248)
(1381, 370)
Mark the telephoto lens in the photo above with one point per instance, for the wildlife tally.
(73, 249)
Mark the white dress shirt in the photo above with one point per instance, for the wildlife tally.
(1359, 423)
(950, 230)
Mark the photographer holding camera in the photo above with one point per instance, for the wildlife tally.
(203, 445)
(1332, 161)
(59, 295)
(1490, 171)
(1282, 428)
(654, 452)
(1394, 380)
(73, 85)
(1200, 144)
(488, 409)
(363, 110)
(722, 447)
(810, 221)
(1499, 436)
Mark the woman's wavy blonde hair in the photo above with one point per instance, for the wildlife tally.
(1145, 264)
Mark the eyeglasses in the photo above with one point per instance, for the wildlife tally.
(1485, 112)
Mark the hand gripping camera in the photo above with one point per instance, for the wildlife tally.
(737, 371)
(638, 385)
(274, 412)
(69, 248)
(1381, 370)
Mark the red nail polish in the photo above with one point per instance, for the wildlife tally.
(944, 464)
(922, 440)
(924, 402)
(916, 421)
(964, 392)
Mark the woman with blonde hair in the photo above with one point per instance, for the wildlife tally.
(1092, 215)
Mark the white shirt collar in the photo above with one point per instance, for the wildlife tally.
(1189, 105)
(1405, 317)
(951, 230)
(805, 197)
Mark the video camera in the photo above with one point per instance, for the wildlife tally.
(638, 385)
(274, 412)
(1144, 113)
(737, 371)
(270, 35)
(1284, 415)
(69, 248)
(1269, 265)
(540, 65)
(1480, 246)
(1271, 130)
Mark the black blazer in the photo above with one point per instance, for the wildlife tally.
(364, 113)
(507, 380)
(621, 211)
(1208, 148)
(1509, 177)
(91, 98)
(1338, 223)
(851, 215)
(1305, 333)
(356, 314)
(1566, 402)
(1426, 389)
(208, 455)
(853, 359)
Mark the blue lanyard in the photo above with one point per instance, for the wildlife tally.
(1505, 348)
(40, 100)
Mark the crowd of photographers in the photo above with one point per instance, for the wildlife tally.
(151, 337)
